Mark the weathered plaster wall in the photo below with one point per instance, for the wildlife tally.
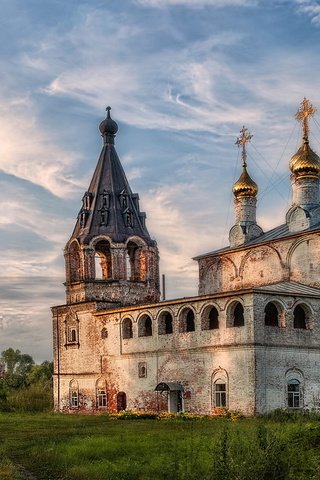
(249, 355)
(296, 259)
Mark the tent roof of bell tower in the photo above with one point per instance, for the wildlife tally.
(109, 206)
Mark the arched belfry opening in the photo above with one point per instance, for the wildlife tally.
(103, 261)
(110, 253)
(132, 261)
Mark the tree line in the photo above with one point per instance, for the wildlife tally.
(24, 385)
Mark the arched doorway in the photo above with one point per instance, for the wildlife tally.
(121, 401)
(175, 395)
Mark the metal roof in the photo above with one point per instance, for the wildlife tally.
(289, 288)
(276, 233)
(109, 192)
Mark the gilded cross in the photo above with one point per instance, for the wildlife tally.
(305, 111)
(244, 138)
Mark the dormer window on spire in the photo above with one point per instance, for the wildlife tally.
(83, 218)
(128, 218)
(86, 200)
(105, 199)
(123, 198)
(104, 214)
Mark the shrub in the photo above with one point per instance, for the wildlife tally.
(35, 398)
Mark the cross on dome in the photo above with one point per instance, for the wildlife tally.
(243, 140)
(305, 111)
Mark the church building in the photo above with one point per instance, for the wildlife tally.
(250, 340)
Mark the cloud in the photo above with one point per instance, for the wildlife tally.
(29, 152)
(182, 232)
(311, 8)
(197, 3)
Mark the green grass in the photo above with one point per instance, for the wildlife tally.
(77, 447)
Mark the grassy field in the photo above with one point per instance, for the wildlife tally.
(58, 447)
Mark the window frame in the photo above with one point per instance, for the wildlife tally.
(293, 395)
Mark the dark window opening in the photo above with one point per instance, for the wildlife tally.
(238, 317)
(190, 327)
(145, 326)
(73, 336)
(299, 318)
(165, 324)
(168, 323)
(148, 327)
(271, 315)
(213, 319)
(127, 328)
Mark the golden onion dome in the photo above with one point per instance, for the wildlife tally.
(245, 186)
(305, 163)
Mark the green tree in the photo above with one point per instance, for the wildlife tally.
(17, 366)
(41, 374)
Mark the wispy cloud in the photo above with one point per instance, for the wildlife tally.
(197, 3)
(311, 8)
(29, 152)
(182, 77)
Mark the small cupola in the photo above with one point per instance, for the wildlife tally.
(305, 162)
(244, 186)
(305, 176)
(245, 192)
(108, 128)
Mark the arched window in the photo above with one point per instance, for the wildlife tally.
(220, 392)
(299, 317)
(238, 315)
(220, 389)
(271, 315)
(72, 330)
(210, 319)
(186, 321)
(121, 401)
(74, 394)
(145, 326)
(294, 393)
(101, 393)
(103, 263)
(165, 324)
(127, 328)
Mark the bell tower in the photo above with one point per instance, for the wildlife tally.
(110, 256)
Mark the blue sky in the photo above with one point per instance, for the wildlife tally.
(182, 77)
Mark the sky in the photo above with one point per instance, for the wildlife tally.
(182, 78)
